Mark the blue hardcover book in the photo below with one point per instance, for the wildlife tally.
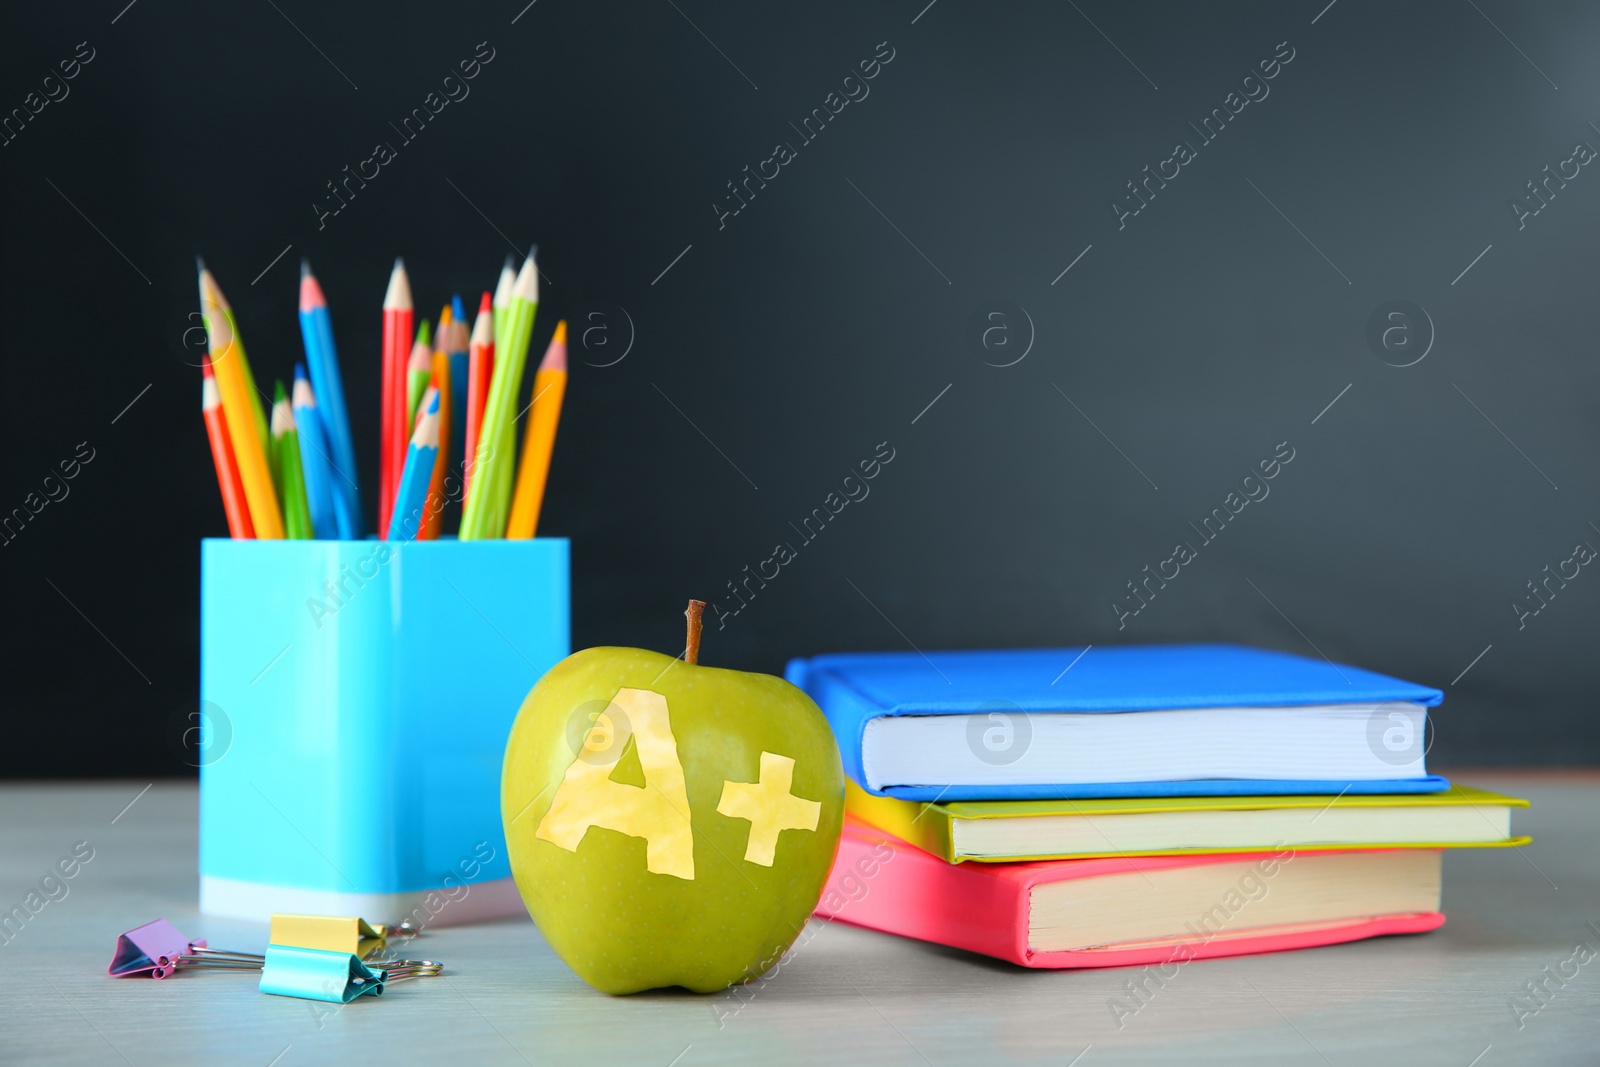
(1152, 720)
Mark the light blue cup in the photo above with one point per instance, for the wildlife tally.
(356, 699)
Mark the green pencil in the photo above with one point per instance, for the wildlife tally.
(287, 471)
(489, 502)
(500, 493)
(502, 295)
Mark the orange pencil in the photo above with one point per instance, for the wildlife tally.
(539, 440)
(441, 339)
(233, 502)
(480, 368)
(433, 513)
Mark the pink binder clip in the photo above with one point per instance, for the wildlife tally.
(153, 948)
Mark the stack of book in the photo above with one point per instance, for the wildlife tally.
(1108, 807)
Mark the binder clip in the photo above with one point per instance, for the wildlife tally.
(335, 977)
(330, 933)
(159, 949)
(149, 949)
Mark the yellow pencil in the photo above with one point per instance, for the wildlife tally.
(228, 365)
(549, 388)
(257, 409)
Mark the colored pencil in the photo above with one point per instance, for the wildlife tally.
(419, 370)
(433, 521)
(439, 335)
(256, 408)
(490, 501)
(290, 474)
(230, 366)
(539, 439)
(480, 365)
(498, 304)
(233, 502)
(502, 294)
(443, 340)
(315, 462)
(322, 361)
(397, 321)
(459, 350)
(495, 518)
(411, 492)
(447, 315)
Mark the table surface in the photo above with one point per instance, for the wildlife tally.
(848, 995)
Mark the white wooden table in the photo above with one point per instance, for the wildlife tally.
(850, 996)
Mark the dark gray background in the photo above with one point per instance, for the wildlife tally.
(824, 318)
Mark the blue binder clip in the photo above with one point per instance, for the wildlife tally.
(335, 977)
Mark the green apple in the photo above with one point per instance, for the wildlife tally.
(669, 824)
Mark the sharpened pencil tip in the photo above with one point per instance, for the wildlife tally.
(199, 264)
(533, 252)
(511, 262)
(397, 297)
(282, 414)
(311, 296)
(555, 357)
(299, 372)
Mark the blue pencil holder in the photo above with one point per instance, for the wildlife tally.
(356, 698)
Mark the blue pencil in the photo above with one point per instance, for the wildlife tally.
(314, 459)
(412, 494)
(459, 365)
(316, 329)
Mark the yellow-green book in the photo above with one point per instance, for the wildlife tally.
(1009, 831)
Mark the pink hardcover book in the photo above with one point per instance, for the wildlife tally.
(1135, 910)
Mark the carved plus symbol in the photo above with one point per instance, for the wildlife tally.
(770, 807)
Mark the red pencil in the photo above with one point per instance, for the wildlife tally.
(397, 316)
(233, 501)
(480, 369)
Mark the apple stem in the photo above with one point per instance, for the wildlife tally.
(691, 650)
